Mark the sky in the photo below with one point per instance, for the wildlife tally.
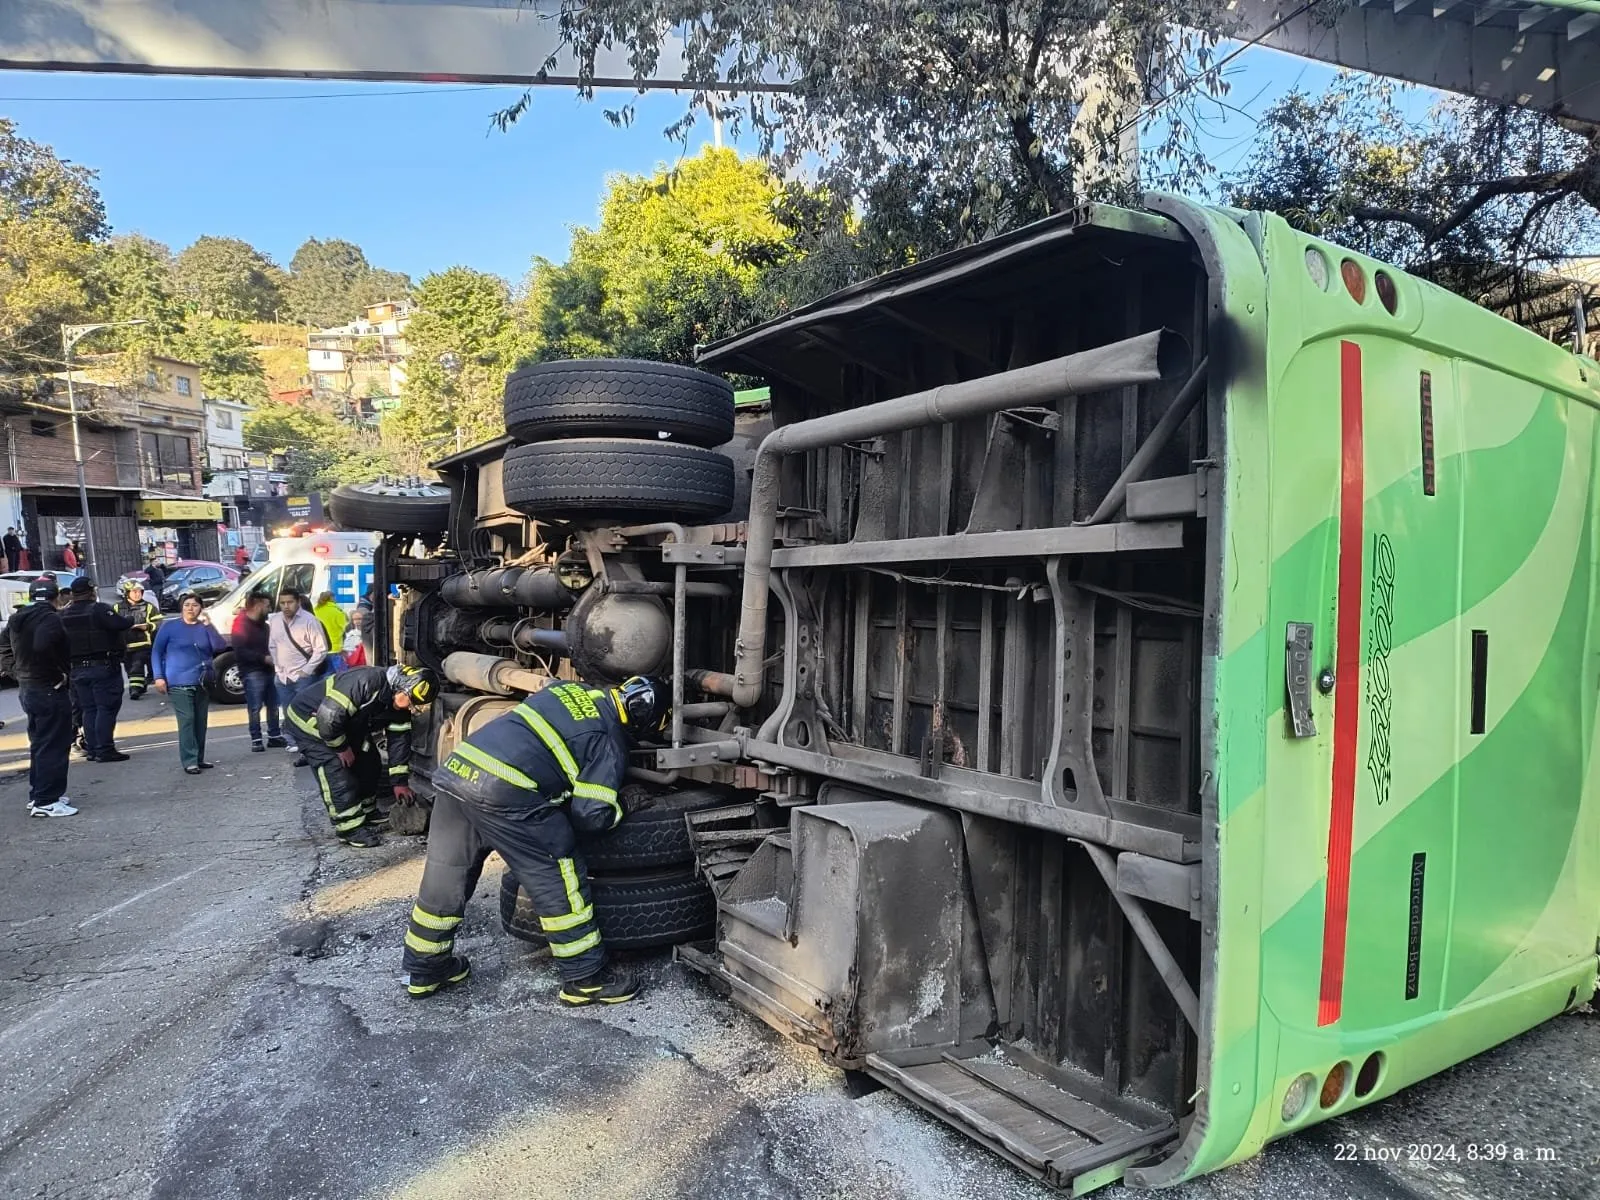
(412, 173)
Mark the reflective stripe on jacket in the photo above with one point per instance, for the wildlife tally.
(566, 744)
(142, 613)
(345, 710)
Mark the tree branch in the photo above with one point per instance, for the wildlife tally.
(1545, 183)
(1023, 134)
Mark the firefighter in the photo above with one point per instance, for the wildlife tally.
(95, 636)
(336, 719)
(525, 785)
(145, 617)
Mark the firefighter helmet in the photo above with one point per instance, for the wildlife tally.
(646, 702)
(420, 683)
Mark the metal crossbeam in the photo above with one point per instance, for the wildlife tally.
(1536, 55)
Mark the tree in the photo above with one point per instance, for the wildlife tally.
(331, 282)
(132, 280)
(567, 307)
(464, 340)
(1003, 109)
(322, 451)
(378, 285)
(228, 278)
(1481, 198)
(321, 276)
(677, 259)
(229, 364)
(51, 222)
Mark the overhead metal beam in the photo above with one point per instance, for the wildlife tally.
(1505, 51)
(1537, 53)
(433, 41)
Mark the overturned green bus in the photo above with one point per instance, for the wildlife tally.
(1146, 681)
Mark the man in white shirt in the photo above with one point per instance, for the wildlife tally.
(298, 647)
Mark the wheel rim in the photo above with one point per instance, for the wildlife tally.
(409, 491)
(233, 682)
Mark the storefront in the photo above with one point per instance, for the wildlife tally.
(180, 528)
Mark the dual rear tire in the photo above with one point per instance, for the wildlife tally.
(642, 879)
(618, 439)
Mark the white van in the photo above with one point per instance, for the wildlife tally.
(314, 563)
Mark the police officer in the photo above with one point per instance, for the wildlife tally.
(145, 617)
(33, 651)
(524, 785)
(337, 719)
(95, 637)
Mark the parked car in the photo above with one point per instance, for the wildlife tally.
(177, 565)
(208, 580)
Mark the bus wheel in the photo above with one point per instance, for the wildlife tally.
(391, 508)
(617, 477)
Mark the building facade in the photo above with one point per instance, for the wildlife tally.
(141, 439)
(361, 367)
(225, 434)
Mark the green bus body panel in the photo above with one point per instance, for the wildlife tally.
(1474, 861)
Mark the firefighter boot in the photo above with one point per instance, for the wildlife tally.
(608, 985)
(455, 970)
(362, 838)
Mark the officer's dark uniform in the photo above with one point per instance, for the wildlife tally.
(34, 653)
(570, 750)
(137, 657)
(95, 640)
(348, 710)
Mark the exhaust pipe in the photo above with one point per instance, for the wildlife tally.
(507, 587)
(497, 676)
(1147, 358)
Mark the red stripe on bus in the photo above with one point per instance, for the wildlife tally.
(1347, 670)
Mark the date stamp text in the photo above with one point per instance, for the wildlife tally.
(1444, 1152)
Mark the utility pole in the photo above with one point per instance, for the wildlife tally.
(71, 335)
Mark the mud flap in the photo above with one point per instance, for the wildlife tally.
(1068, 1137)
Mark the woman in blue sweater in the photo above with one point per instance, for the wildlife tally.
(181, 662)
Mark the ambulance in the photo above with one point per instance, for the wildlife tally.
(310, 564)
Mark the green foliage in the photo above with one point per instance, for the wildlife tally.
(322, 451)
(331, 282)
(228, 278)
(1003, 110)
(466, 319)
(377, 286)
(678, 259)
(229, 364)
(1484, 199)
(132, 280)
(51, 221)
(566, 306)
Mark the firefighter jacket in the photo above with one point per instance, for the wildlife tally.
(347, 709)
(33, 646)
(564, 745)
(94, 632)
(143, 613)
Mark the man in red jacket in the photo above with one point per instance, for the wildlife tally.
(249, 639)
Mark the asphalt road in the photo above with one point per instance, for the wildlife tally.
(200, 998)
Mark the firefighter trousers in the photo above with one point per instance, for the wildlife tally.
(350, 794)
(137, 661)
(541, 851)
